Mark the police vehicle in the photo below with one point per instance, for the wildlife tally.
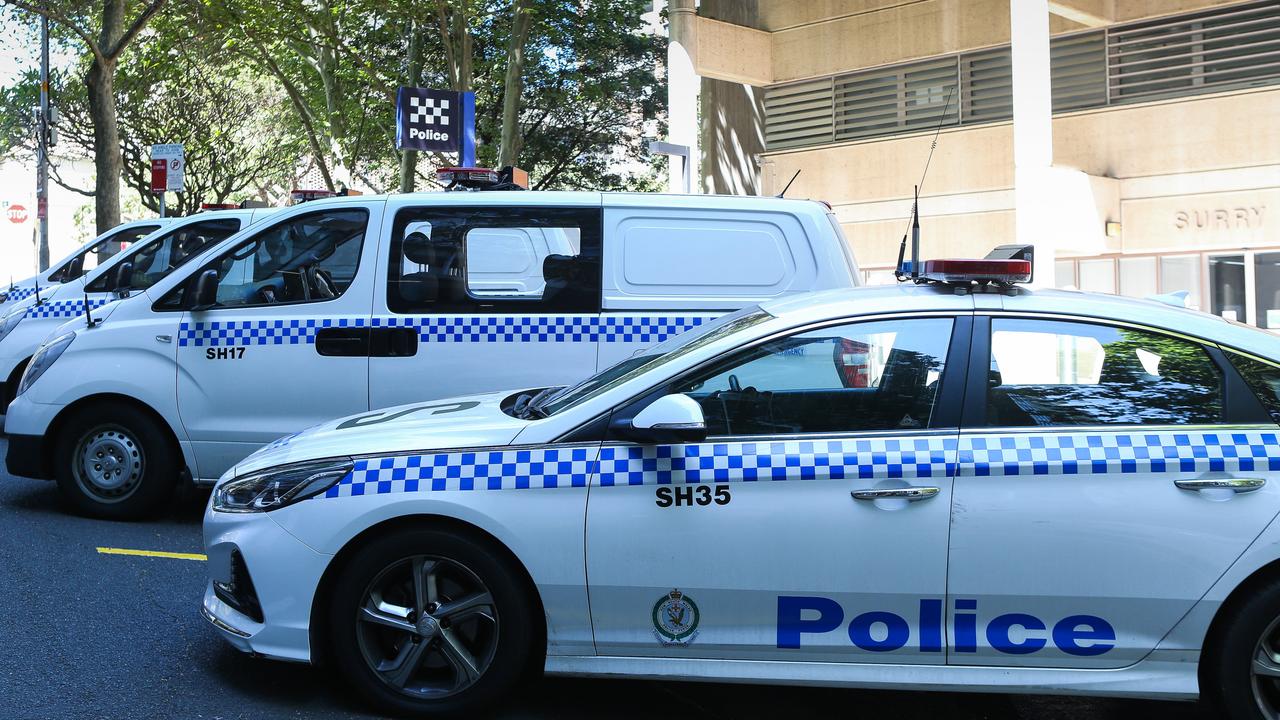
(893, 487)
(87, 257)
(150, 257)
(344, 305)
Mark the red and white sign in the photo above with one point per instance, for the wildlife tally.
(16, 213)
(168, 168)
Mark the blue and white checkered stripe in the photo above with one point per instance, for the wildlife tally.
(644, 329)
(860, 459)
(1119, 452)
(878, 458)
(63, 308)
(20, 293)
(235, 333)
(470, 470)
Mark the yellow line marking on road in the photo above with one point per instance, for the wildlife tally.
(152, 553)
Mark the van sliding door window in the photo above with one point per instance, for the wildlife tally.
(161, 257)
(476, 259)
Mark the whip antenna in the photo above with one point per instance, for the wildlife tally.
(913, 224)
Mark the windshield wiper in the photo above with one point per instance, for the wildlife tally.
(534, 406)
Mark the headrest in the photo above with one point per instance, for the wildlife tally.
(559, 267)
(417, 247)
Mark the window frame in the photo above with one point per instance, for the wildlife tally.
(1240, 407)
(947, 405)
(188, 284)
(590, 223)
(113, 237)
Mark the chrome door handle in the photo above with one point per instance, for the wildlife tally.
(164, 338)
(1239, 485)
(907, 493)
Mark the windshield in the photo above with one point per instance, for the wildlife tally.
(652, 358)
(163, 255)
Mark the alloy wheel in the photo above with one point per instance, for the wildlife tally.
(428, 627)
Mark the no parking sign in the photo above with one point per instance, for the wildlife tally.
(168, 168)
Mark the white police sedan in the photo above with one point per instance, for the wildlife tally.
(894, 487)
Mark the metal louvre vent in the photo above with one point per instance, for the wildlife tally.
(1231, 47)
(798, 114)
(987, 83)
(1210, 51)
(1078, 65)
(895, 100)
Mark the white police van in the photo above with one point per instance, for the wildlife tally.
(349, 304)
(149, 258)
(895, 487)
(87, 257)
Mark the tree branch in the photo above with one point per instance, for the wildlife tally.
(64, 21)
(138, 23)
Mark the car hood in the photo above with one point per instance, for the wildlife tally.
(460, 422)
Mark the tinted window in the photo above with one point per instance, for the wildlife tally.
(94, 256)
(162, 256)
(863, 376)
(1070, 373)
(1263, 379)
(495, 259)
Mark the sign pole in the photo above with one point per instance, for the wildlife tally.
(42, 171)
(467, 153)
(162, 194)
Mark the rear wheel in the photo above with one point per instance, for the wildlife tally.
(1245, 664)
(430, 622)
(115, 462)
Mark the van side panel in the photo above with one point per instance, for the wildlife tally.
(661, 258)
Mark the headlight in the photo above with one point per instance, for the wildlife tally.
(43, 358)
(11, 320)
(277, 487)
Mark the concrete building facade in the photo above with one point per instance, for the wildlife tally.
(1165, 132)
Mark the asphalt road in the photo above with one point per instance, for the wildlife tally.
(87, 635)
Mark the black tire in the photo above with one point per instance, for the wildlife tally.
(1229, 675)
(11, 387)
(125, 436)
(377, 562)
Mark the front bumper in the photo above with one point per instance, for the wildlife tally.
(285, 574)
(26, 456)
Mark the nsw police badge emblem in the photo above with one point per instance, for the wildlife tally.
(675, 619)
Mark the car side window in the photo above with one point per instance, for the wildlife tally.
(1052, 373)
(477, 259)
(311, 258)
(1263, 379)
(855, 377)
(163, 256)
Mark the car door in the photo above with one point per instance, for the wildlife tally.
(812, 522)
(286, 345)
(478, 298)
(1085, 524)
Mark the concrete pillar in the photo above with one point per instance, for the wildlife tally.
(1033, 133)
(683, 84)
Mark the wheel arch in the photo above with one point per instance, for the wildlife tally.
(1267, 574)
(321, 600)
(60, 420)
(15, 376)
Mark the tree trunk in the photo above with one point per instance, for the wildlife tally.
(106, 144)
(509, 147)
(409, 158)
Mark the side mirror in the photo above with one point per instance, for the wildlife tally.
(669, 419)
(206, 293)
(74, 269)
(121, 280)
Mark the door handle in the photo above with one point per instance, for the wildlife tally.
(912, 494)
(1239, 485)
(343, 342)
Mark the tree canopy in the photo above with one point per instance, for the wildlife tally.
(269, 94)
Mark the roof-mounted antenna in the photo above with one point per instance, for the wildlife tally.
(788, 187)
(37, 282)
(88, 311)
(913, 226)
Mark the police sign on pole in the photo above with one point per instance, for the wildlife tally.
(436, 121)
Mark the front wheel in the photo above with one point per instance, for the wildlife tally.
(429, 622)
(115, 462)
(1244, 670)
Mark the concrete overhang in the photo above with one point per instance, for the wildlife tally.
(725, 51)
